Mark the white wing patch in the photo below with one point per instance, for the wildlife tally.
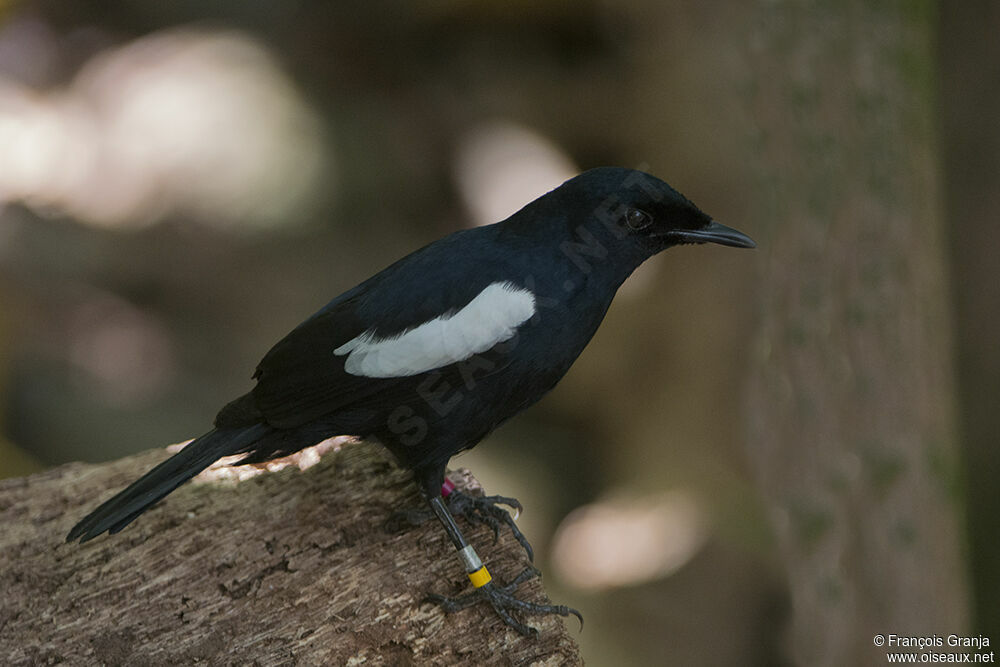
(491, 318)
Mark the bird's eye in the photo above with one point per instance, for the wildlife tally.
(636, 219)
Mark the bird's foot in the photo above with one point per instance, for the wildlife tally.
(503, 601)
(487, 510)
(475, 509)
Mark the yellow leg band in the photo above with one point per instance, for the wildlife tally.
(480, 577)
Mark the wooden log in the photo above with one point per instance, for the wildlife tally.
(289, 567)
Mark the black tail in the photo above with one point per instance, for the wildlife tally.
(123, 509)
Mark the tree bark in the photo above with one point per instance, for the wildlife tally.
(288, 567)
(851, 402)
(970, 104)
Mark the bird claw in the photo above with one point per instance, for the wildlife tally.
(487, 510)
(475, 509)
(503, 601)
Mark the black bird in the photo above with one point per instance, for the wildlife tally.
(434, 352)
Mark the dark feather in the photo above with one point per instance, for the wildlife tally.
(123, 508)
(300, 379)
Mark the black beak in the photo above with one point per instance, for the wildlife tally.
(713, 232)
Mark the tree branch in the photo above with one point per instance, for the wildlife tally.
(289, 567)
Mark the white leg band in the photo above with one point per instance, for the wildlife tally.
(470, 559)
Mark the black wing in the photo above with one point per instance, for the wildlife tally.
(301, 379)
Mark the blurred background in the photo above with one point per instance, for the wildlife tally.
(181, 183)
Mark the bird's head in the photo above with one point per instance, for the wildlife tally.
(638, 213)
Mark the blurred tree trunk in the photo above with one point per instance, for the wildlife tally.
(970, 80)
(851, 401)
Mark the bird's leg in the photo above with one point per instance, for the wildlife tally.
(486, 509)
(476, 509)
(501, 598)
